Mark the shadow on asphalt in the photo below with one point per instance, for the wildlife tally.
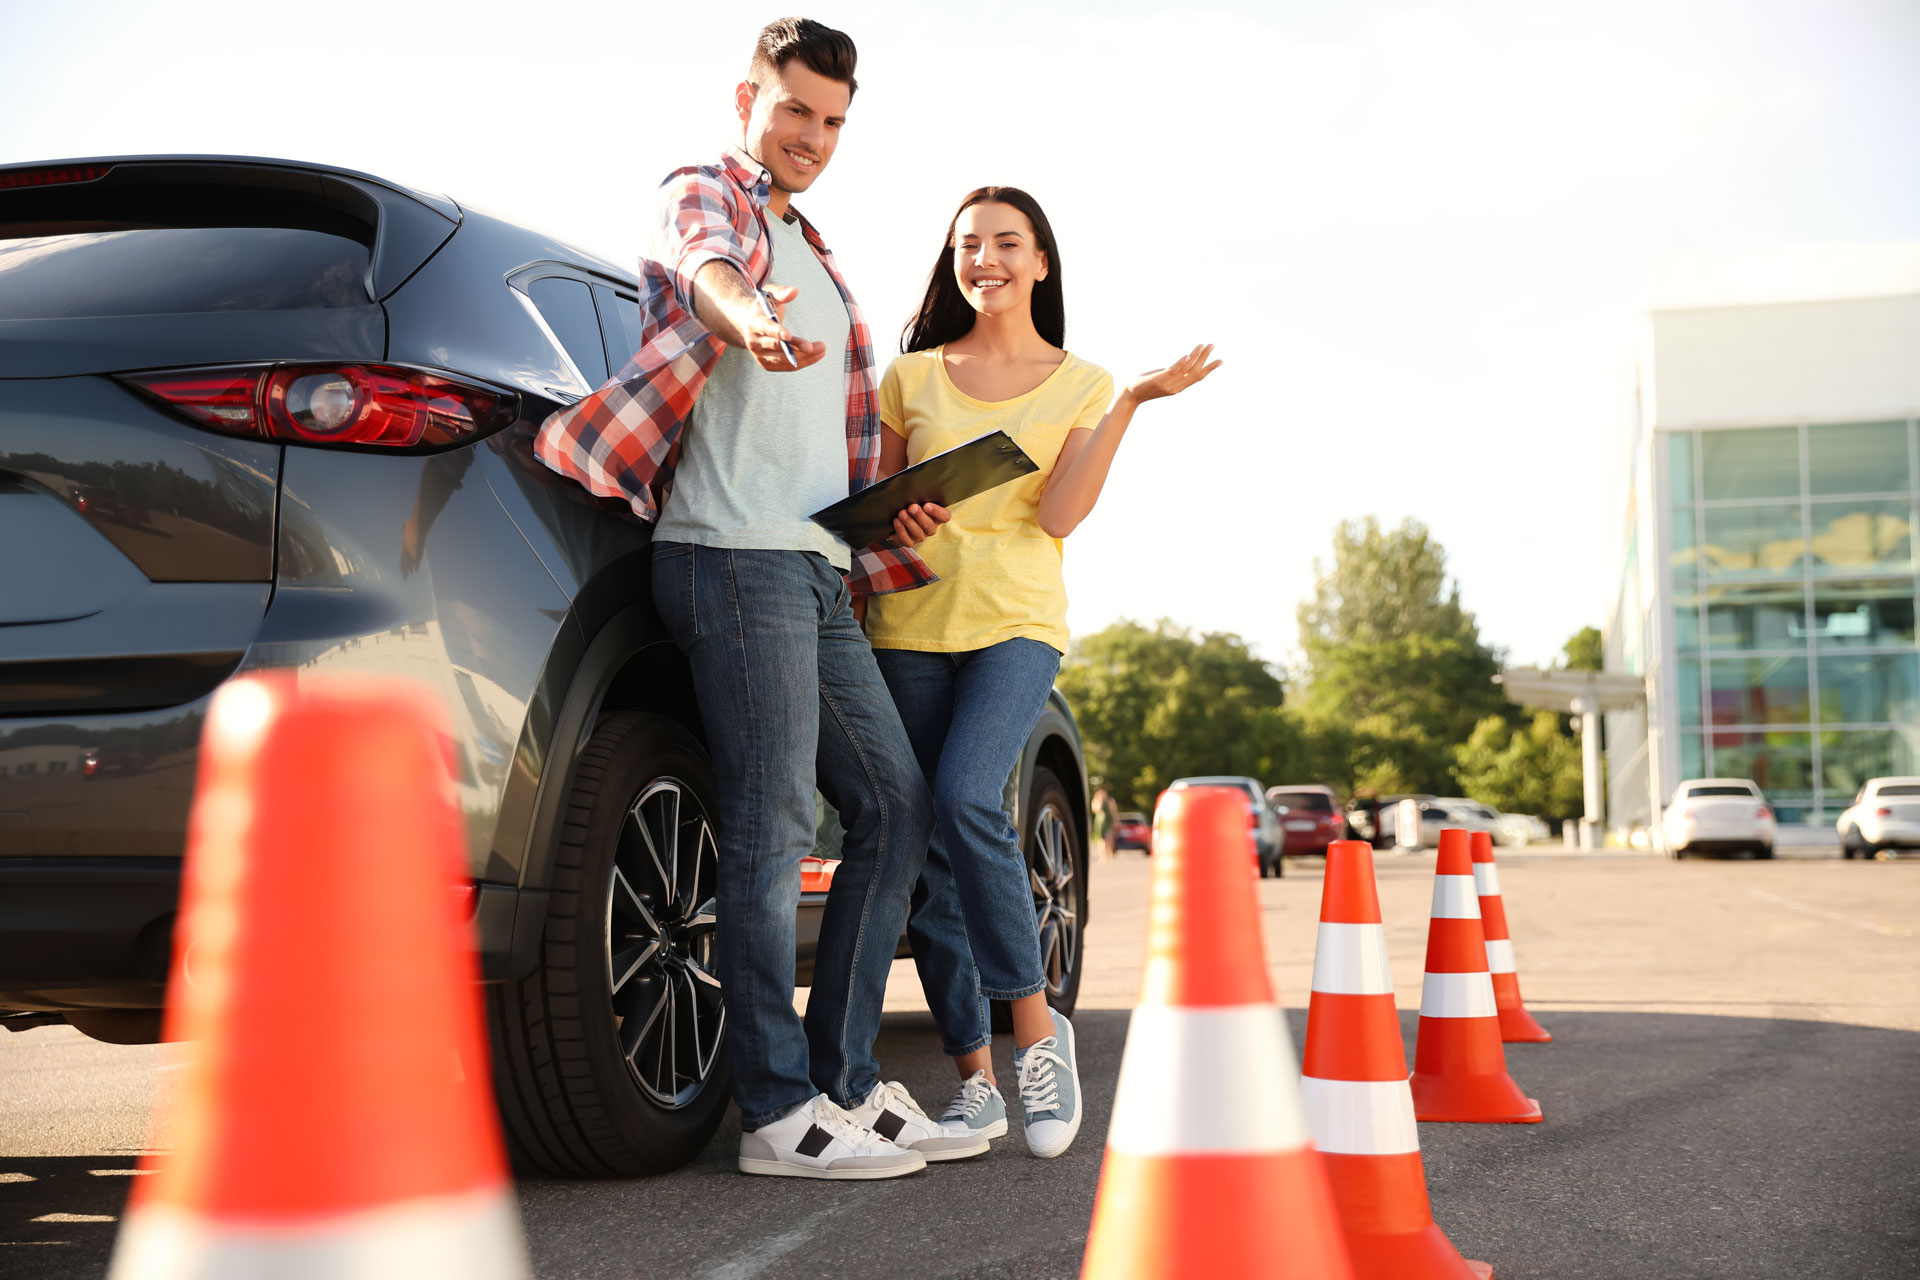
(1675, 1145)
(58, 1213)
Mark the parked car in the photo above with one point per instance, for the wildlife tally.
(260, 414)
(1429, 816)
(1312, 819)
(1517, 830)
(1133, 831)
(1264, 822)
(1885, 815)
(1718, 815)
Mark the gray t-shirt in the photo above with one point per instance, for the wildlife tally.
(764, 450)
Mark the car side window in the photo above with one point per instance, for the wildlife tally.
(619, 325)
(567, 307)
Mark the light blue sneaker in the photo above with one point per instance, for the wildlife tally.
(978, 1110)
(1050, 1090)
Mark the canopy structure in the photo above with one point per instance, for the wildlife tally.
(1585, 694)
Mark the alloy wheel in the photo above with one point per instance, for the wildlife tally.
(661, 969)
(1055, 897)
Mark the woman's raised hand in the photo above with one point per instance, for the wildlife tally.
(1175, 378)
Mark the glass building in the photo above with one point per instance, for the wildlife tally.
(1768, 584)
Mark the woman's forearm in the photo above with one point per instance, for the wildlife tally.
(1075, 486)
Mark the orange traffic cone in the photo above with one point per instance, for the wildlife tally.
(335, 1118)
(1459, 1068)
(1354, 1084)
(1516, 1024)
(1208, 1170)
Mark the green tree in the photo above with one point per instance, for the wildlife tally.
(1583, 651)
(1534, 768)
(1397, 675)
(1160, 703)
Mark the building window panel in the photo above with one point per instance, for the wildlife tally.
(1850, 758)
(1680, 468)
(1760, 462)
(1872, 689)
(1852, 536)
(1862, 614)
(1748, 541)
(1857, 457)
(1781, 763)
(1686, 621)
(1686, 555)
(1759, 691)
(1686, 690)
(1692, 756)
(1773, 616)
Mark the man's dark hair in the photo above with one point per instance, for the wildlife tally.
(820, 48)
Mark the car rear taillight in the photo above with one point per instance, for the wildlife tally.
(1763, 812)
(344, 404)
(54, 175)
(1883, 813)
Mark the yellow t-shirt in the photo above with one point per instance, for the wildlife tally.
(999, 573)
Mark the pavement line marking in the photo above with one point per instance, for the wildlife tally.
(76, 1217)
(1825, 914)
(16, 1177)
(745, 1266)
(120, 1173)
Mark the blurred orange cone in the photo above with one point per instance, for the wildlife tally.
(335, 1118)
(1208, 1170)
(1459, 1068)
(1516, 1024)
(1354, 1084)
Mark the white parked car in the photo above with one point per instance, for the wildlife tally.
(1269, 840)
(1718, 815)
(1885, 815)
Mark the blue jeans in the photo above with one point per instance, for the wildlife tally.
(974, 933)
(790, 696)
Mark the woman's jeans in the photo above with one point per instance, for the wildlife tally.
(789, 695)
(974, 932)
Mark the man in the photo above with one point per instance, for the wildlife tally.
(738, 405)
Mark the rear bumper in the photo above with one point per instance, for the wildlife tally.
(97, 933)
(1313, 841)
(1903, 835)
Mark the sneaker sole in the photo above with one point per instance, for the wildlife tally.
(1079, 1107)
(961, 1153)
(781, 1169)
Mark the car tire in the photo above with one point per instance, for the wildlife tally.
(577, 1097)
(1763, 851)
(1057, 874)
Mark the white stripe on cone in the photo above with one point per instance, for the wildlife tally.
(476, 1237)
(1486, 878)
(1458, 995)
(1500, 955)
(1360, 1117)
(1454, 898)
(1351, 960)
(1211, 1080)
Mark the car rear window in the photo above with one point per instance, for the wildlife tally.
(173, 270)
(1696, 793)
(1900, 789)
(1310, 801)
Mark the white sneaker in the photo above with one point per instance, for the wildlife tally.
(891, 1112)
(822, 1141)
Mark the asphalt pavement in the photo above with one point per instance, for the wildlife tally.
(1733, 1091)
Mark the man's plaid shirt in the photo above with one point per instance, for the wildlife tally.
(623, 441)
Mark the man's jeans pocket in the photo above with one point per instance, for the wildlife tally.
(674, 585)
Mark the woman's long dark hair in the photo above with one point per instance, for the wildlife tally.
(945, 313)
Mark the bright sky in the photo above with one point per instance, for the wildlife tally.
(1422, 234)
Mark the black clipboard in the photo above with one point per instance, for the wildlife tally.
(983, 463)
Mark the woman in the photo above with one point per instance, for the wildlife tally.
(971, 659)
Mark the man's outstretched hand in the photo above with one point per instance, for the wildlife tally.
(764, 336)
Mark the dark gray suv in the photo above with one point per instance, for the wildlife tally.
(262, 414)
